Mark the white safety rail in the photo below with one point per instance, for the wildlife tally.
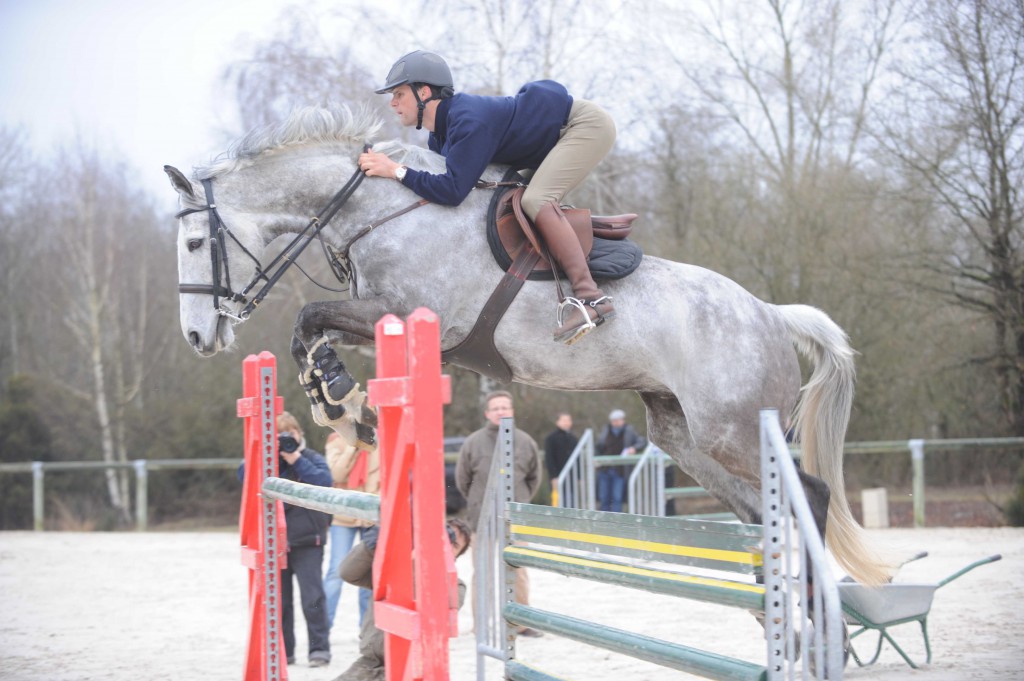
(576, 485)
(489, 568)
(646, 485)
(794, 550)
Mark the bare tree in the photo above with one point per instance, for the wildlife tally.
(795, 82)
(959, 130)
(298, 67)
(16, 245)
(102, 233)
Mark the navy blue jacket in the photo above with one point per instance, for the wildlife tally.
(306, 527)
(473, 131)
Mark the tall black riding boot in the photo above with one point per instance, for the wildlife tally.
(589, 306)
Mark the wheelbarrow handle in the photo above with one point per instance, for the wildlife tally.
(916, 556)
(983, 561)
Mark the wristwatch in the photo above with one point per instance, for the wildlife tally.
(400, 173)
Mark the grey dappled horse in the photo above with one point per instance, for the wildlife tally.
(703, 353)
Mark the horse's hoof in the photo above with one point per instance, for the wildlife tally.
(366, 437)
(368, 415)
(336, 383)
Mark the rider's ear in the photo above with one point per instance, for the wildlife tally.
(180, 182)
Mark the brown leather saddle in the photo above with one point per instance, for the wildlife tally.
(516, 239)
(515, 231)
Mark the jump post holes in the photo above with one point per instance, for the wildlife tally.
(415, 601)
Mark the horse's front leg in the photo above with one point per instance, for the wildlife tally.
(335, 397)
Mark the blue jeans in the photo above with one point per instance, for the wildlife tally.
(340, 543)
(611, 489)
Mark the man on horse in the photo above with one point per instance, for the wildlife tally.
(543, 128)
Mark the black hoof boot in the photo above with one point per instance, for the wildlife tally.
(323, 411)
(336, 383)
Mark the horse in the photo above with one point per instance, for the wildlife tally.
(704, 354)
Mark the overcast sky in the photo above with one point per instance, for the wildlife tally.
(138, 78)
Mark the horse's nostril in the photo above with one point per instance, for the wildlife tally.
(193, 338)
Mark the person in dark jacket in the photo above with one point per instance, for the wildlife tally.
(558, 447)
(617, 438)
(542, 128)
(307, 534)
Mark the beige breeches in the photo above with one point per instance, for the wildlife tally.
(583, 142)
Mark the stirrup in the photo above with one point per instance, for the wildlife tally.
(578, 304)
(570, 336)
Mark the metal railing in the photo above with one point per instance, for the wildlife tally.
(646, 486)
(142, 467)
(577, 484)
(490, 573)
(795, 552)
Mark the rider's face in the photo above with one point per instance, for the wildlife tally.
(403, 103)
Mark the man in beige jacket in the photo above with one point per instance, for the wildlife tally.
(357, 470)
(474, 466)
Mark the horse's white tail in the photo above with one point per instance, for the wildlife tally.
(821, 418)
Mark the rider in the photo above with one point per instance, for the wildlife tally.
(542, 128)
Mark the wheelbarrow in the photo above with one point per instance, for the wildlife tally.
(879, 608)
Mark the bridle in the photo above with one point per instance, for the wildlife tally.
(221, 272)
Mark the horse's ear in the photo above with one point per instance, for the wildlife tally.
(180, 182)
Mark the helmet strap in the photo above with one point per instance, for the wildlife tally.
(421, 105)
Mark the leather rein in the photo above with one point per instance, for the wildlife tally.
(338, 260)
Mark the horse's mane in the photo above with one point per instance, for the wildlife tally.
(317, 125)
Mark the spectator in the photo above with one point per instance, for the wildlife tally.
(357, 569)
(616, 438)
(474, 466)
(352, 469)
(307, 533)
(558, 447)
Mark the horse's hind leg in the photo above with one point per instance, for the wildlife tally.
(668, 428)
(818, 495)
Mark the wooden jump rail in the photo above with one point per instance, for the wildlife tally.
(730, 564)
(415, 601)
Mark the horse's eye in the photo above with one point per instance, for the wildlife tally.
(194, 244)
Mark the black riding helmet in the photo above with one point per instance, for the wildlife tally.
(421, 67)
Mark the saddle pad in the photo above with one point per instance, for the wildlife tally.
(608, 259)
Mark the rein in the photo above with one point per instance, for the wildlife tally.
(338, 260)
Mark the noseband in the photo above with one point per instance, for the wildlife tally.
(279, 265)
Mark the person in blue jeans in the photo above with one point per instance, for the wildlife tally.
(616, 438)
(352, 469)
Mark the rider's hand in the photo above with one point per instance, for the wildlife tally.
(375, 164)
